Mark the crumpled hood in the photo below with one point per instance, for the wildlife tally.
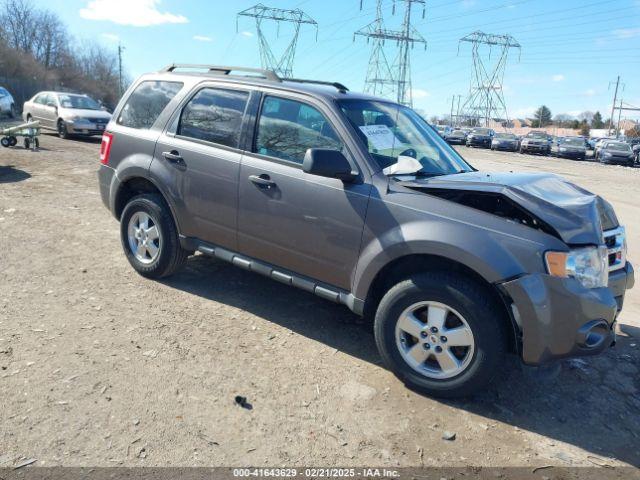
(577, 215)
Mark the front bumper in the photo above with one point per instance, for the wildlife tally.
(510, 147)
(534, 148)
(85, 128)
(479, 142)
(559, 318)
(572, 154)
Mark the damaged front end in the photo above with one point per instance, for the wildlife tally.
(542, 201)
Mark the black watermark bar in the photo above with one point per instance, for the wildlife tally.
(544, 472)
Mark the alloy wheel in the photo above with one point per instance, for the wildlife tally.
(144, 237)
(434, 340)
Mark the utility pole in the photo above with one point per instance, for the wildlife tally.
(395, 80)
(486, 98)
(282, 65)
(618, 125)
(613, 106)
(451, 115)
(120, 85)
(458, 111)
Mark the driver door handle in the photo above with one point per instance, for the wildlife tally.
(262, 181)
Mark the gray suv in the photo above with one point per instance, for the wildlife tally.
(358, 200)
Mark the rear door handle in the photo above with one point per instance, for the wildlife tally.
(174, 157)
(262, 181)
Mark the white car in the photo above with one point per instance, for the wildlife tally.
(7, 104)
(67, 113)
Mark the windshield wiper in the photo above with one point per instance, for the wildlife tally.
(423, 174)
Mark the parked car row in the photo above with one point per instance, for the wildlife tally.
(606, 150)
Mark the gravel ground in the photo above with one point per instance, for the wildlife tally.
(100, 367)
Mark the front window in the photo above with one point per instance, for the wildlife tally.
(481, 131)
(537, 135)
(79, 102)
(390, 131)
(619, 147)
(576, 142)
(287, 129)
(505, 136)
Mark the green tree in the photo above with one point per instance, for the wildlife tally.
(542, 117)
(584, 129)
(597, 121)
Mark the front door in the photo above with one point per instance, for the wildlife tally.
(304, 223)
(199, 161)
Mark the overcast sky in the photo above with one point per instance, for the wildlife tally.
(571, 49)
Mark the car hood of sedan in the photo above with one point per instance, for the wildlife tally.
(78, 112)
(575, 215)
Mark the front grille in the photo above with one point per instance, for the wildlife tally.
(98, 120)
(616, 243)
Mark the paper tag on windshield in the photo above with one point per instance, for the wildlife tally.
(380, 136)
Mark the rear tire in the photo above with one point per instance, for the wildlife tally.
(465, 304)
(5, 142)
(150, 238)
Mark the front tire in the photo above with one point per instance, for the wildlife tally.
(62, 129)
(150, 238)
(439, 333)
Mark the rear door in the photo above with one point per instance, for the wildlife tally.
(199, 157)
(304, 223)
(37, 107)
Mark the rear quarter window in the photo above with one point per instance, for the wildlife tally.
(147, 102)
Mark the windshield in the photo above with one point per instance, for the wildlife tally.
(505, 136)
(481, 131)
(576, 142)
(620, 147)
(78, 102)
(389, 130)
(537, 135)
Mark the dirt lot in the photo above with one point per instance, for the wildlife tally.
(102, 367)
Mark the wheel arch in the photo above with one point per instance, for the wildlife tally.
(405, 266)
(133, 186)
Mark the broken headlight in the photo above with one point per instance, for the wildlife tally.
(588, 265)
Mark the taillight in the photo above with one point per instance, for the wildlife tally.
(105, 148)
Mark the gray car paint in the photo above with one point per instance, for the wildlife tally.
(334, 238)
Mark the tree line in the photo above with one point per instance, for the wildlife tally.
(584, 121)
(38, 53)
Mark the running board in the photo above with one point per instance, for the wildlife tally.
(322, 290)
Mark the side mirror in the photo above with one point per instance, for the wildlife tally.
(327, 163)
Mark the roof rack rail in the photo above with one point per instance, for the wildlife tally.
(267, 74)
(338, 86)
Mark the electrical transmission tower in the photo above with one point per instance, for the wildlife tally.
(486, 98)
(385, 79)
(283, 65)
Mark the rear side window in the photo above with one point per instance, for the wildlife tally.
(147, 102)
(288, 128)
(214, 115)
